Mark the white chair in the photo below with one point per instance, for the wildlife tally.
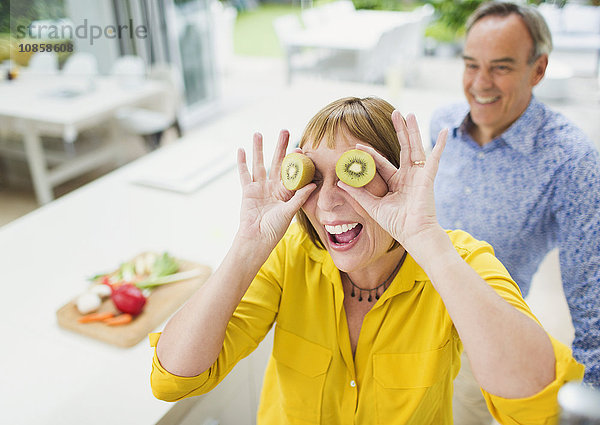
(343, 6)
(583, 19)
(43, 63)
(131, 70)
(575, 28)
(329, 12)
(313, 17)
(337, 9)
(298, 59)
(555, 85)
(129, 65)
(285, 27)
(81, 64)
(152, 123)
(170, 76)
(398, 50)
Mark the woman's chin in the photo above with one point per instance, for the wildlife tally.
(347, 256)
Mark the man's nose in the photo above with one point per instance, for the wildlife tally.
(483, 80)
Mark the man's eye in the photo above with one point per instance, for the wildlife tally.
(470, 66)
(501, 68)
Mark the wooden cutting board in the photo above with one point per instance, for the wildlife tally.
(162, 302)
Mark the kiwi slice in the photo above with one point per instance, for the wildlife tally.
(297, 170)
(355, 168)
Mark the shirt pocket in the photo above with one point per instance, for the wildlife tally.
(418, 383)
(301, 371)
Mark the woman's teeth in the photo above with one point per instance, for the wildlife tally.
(343, 234)
(340, 228)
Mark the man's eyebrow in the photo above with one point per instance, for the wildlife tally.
(505, 59)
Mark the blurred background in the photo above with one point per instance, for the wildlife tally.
(214, 57)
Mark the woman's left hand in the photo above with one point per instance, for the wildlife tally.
(407, 211)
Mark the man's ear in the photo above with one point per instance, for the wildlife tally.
(539, 69)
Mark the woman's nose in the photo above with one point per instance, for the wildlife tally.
(330, 196)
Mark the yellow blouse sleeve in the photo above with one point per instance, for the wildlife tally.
(540, 408)
(249, 324)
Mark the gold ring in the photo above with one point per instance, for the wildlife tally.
(419, 163)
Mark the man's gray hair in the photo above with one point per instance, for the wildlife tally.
(533, 20)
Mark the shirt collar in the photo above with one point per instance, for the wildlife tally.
(461, 120)
(405, 279)
(520, 135)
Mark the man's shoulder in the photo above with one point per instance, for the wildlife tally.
(561, 135)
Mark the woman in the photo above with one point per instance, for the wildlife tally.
(372, 300)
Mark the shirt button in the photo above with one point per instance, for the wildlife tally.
(468, 190)
(352, 384)
(480, 155)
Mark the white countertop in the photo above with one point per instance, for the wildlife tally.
(50, 375)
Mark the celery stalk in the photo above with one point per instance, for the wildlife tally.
(162, 280)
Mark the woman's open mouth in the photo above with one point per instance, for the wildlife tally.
(343, 235)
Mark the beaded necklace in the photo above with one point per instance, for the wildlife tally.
(376, 289)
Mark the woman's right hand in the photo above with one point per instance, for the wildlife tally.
(267, 206)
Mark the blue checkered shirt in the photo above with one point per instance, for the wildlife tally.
(533, 188)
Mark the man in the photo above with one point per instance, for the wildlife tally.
(520, 176)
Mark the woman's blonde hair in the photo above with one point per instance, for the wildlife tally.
(368, 119)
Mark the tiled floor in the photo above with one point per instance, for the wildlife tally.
(15, 203)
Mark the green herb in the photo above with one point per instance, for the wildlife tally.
(127, 271)
(96, 277)
(164, 266)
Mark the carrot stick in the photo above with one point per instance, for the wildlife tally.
(95, 317)
(121, 319)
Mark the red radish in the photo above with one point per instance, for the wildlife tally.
(128, 298)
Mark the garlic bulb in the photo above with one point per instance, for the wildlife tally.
(88, 302)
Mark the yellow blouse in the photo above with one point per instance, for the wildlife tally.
(407, 356)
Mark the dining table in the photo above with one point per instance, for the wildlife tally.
(61, 106)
